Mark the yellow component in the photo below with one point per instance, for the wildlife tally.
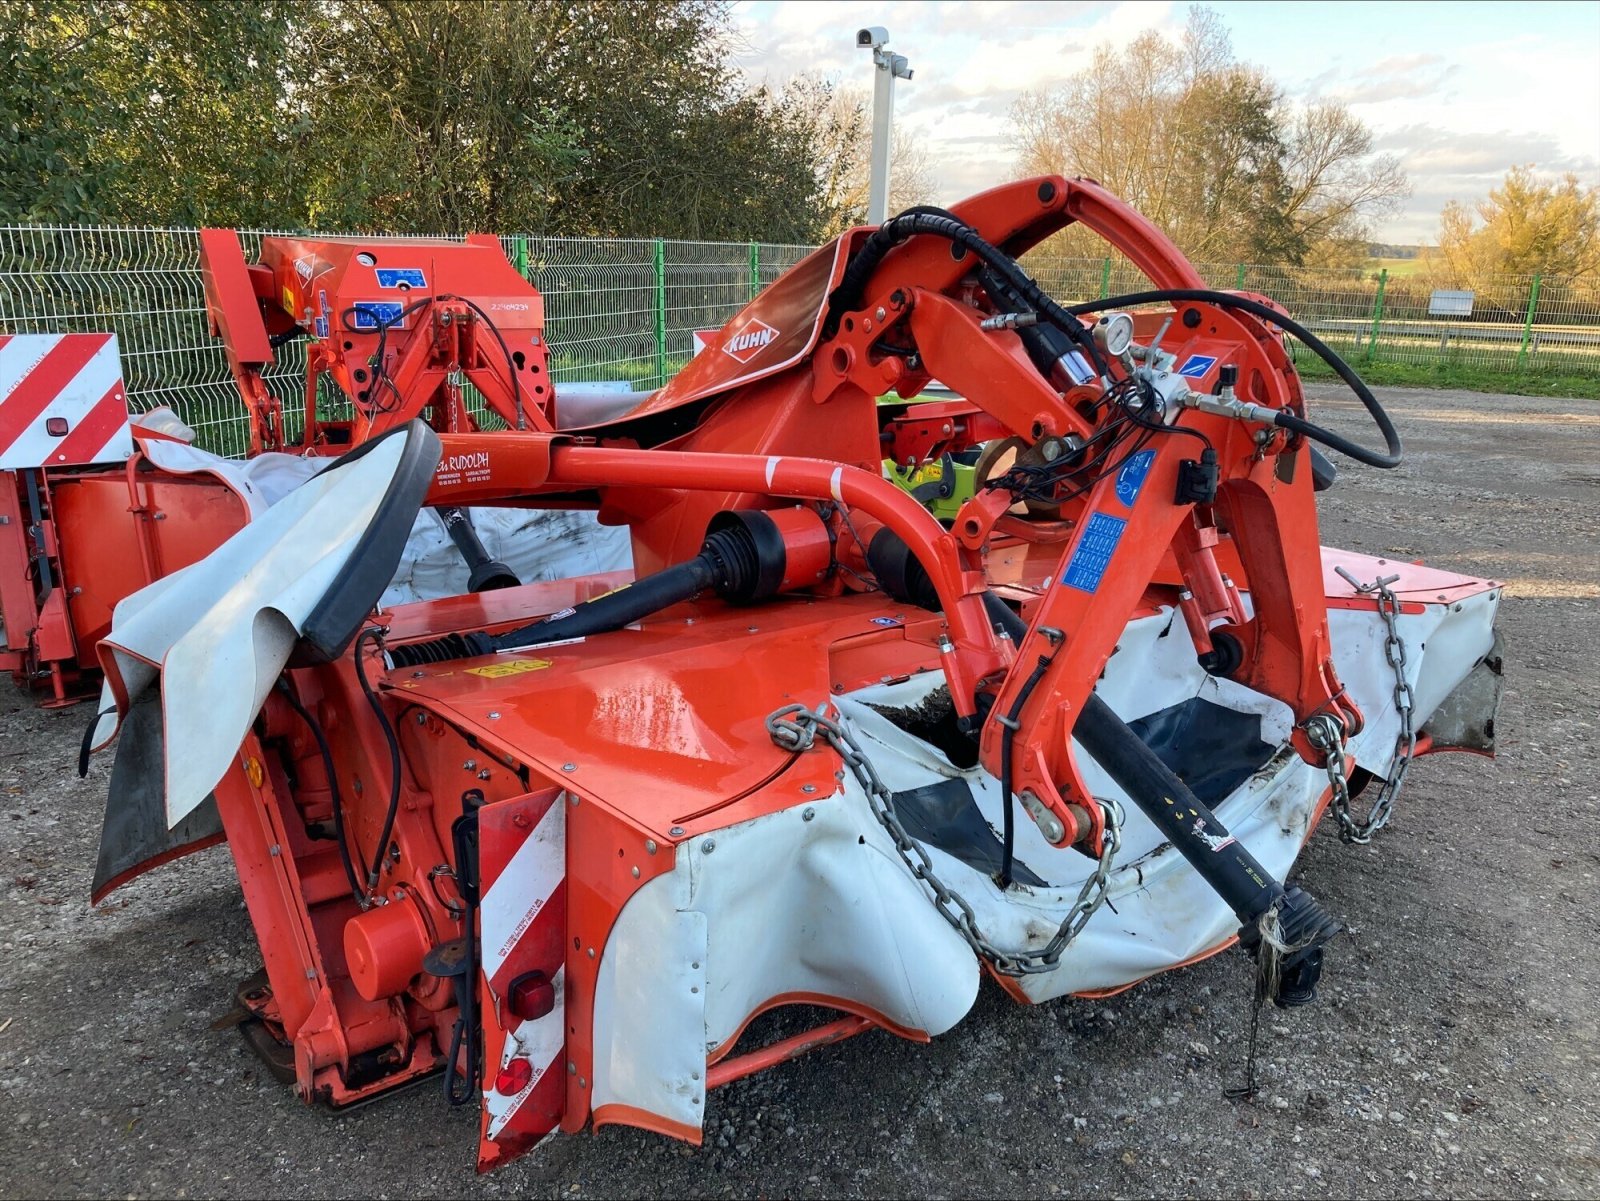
(288, 302)
(254, 772)
(511, 667)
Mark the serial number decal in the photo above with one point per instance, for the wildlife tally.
(1099, 542)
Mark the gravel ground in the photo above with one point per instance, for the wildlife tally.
(1455, 1050)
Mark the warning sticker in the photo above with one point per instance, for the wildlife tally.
(1130, 477)
(401, 277)
(511, 667)
(370, 314)
(1197, 365)
(1095, 548)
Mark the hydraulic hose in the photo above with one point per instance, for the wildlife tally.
(735, 561)
(1289, 421)
(941, 223)
(1221, 860)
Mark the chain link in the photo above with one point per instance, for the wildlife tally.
(1327, 734)
(795, 728)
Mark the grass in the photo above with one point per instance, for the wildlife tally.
(1397, 268)
(1456, 375)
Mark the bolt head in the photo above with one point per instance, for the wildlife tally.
(808, 814)
(708, 845)
(494, 715)
(808, 788)
(650, 846)
(569, 767)
(676, 831)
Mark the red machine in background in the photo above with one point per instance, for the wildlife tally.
(397, 329)
(402, 328)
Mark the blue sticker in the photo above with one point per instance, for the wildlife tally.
(401, 277)
(321, 327)
(368, 314)
(1198, 365)
(1093, 556)
(1131, 477)
(885, 621)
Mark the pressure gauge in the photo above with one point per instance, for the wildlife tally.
(1114, 332)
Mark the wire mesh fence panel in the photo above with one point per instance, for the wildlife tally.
(626, 310)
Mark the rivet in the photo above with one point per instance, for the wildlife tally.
(591, 952)
(808, 788)
(880, 315)
(422, 718)
(357, 785)
(275, 850)
(311, 973)
(676, 831)
(694, 988)
(695, 966)
(752, 629)
(650, 846)
(569, 767)
(709, 845)
(582, 1083)
(484, 774)
(469, 765)
(694, 1075)
(808, 814)
(417, 675)
(572, 1068)
(494, 715)
(635, 873)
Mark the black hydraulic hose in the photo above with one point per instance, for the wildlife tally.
(1286, 420)
(730, 561)
(940, 223)
(326, 751)
(511, 364)
(394, 756)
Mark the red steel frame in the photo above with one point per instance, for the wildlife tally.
(805, 431)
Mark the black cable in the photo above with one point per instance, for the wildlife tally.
(376, 635)
(333, 788)
(1289, 421)
(511, 363)
(940, 223)
(1016, 629)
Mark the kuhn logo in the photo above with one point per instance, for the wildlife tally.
(749, 341)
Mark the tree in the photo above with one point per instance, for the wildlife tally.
(1211, 151)
(1528, 226)
(605, 117)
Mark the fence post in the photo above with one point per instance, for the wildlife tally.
(1105, 278)
(755, 269)
(1238, 279)
(1527, 324)
(519, 249)
(1377, 311)
(661, 313)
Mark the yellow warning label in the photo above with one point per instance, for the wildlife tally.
(511, 667)
(288, 302)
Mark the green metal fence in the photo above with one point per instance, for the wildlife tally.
(1517, 323)
(626, 309)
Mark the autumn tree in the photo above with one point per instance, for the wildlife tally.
(1527, 225)
(1211, 151)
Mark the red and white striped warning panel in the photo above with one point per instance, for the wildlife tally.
(62, 400)
(522, 867)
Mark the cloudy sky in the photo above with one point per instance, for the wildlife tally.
(1459, 91)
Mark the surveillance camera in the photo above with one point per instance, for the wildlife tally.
(872, 37)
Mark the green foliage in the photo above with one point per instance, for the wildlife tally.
(619, 118)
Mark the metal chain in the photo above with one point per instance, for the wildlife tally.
(794, 728)
(1327, 734)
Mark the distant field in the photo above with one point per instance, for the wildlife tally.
(1397, 267)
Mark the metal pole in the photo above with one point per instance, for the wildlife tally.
(1105, 278)
(755, 269)
(1239, 279)
(1527, 324)
(519, 248)
(661, 313)
(882, 132)
(1377, 311)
